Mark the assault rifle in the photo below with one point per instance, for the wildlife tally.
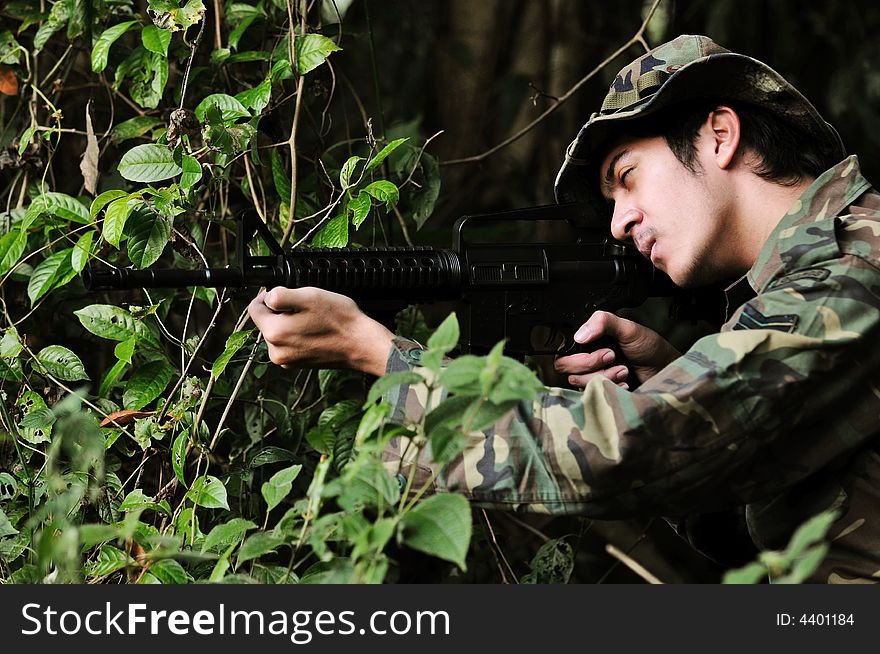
(534, 293)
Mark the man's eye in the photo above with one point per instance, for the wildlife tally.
(623, 176)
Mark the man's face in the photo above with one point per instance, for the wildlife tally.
(672, 215)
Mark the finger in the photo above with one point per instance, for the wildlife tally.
(604, 323)
(616, 374)
(289, 300)
(584, 362)
(258, 309)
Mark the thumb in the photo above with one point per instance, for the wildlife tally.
(283, 300)
(606, 324)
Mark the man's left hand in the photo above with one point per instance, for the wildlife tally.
(314, 328)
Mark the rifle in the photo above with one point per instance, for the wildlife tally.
(535, 294)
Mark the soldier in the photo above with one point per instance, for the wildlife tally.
(716, 168)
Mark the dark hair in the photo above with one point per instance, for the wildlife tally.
(786, 154)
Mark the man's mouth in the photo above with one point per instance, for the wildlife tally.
(647, 248)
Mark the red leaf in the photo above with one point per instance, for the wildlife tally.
(122, 418)
(8, 81)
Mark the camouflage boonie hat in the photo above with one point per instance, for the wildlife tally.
(686, 68)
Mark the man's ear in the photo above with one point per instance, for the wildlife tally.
(724, 127)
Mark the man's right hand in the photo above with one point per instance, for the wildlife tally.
(645, 350)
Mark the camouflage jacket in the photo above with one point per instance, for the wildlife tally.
(777, 416)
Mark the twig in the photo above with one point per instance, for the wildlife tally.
(637, 38)
(499, 553)
(300, 86)
(632, 564)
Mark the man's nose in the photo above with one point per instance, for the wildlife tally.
(624, 221)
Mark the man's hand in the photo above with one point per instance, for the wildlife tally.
(645, 350)
(311, 327)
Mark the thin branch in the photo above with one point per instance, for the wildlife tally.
(632, 564)
(637, 38)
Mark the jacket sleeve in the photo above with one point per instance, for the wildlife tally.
(789, 386)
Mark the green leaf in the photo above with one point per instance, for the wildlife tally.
(256, 98)
(371, 421)
(333, 235)
(270, 455)
(52, 272)
(30, 402)
(440, 526)
(236, 34)
(148, 234)
(108, 37)
(169, 571)
(40, 418)
(369, 484)
(230, 108)
(6, 528)
(191, 13)
(446, 335)
(10, 344)
(810, 533)
(226, 534)
(125, 350)
(26, 138)
(312, 50)
(192, 171)
(111, 377)
(62, 363)
(156, 39)
(12, 246)
(279, 486)
(209, 492)
(339, 413)
(91, 535)
(132, 128)
(148, 163)
(146, 384)
(223, 564)
(110, 559)
(178, 455)
(80, 256)
(10, 50)
(360, 208)
(136, 501)
(145, 431)
(347, 170)
(60, 205)
(392, 380)
(383, 191)
(383, 153)
(103, 200)
(321, 438)
(462, 375)
(259, 544)
(114, 323)
(171, 15)
(805, 565)
(553, 563)
(115, 218)
(280, 71)
(45, 32)
(750, 574)
(233, 344)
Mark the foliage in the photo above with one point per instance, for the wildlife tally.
(793, 565)
(136, 445)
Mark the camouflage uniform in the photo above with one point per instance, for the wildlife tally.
(775, 418)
